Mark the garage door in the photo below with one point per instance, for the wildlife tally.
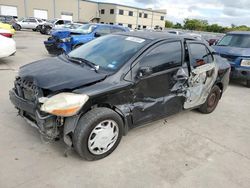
(8, 10)
(43, 14)
(67, 17)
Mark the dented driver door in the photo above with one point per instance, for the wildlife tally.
(203, 74)
(155, 76)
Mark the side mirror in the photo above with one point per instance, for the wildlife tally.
(144, 71)
(97, 34)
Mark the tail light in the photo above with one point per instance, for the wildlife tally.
(9, 35)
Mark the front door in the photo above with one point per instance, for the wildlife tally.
(203, 74)
(155, 76)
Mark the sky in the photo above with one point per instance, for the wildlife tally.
(222, 12)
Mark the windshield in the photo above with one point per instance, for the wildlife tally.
(233, 40)
(86, 29)
(109, 52)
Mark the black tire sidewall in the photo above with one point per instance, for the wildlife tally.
(18, 27)
(85, 126)
(205, 108)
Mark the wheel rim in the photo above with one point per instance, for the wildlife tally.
(103, 137)
(212, 100)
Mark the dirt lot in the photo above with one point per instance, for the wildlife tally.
(185, 150)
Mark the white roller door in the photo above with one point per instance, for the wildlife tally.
(67, 17)
(8, 10)
(43, 14)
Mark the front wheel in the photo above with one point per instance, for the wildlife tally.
(47, 31)
(212, 101)
(18, 27)
(98, 133)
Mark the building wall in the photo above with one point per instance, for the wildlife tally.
(87, 11)
(67, 6)
(41, 5)
(17, 3)
(107, 17)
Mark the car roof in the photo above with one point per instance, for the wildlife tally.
(155, 35)
(239, 32)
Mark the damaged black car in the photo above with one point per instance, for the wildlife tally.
(98, 92)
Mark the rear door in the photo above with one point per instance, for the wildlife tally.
(32, 24)
(155, 77)
(203, 73)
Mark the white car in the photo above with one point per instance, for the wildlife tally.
(7, 45)
(29, 23)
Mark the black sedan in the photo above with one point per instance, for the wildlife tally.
(95, 94)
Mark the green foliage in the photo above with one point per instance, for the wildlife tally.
(203, 25)
(169, 24)
(178, 26)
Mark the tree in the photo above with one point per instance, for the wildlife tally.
(195, 24)
(169, 24)
(178, 26)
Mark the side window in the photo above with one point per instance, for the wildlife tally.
(32, 20)
(114, 29)
(103, 30)
(26, 20)
(60, 22)
(163, 57)
(67, 21)
(199, 55)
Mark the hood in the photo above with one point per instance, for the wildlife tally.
(59, 74)
(234, 51)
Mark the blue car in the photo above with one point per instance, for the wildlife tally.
(67, 40)
(235, 47)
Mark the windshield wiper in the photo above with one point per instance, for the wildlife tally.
(82, 61)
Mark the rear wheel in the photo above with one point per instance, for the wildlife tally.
(248, 83)
(212, 101)
(18, 27)
(98, 133)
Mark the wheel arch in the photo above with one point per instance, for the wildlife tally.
(220, 85)
(71, 122)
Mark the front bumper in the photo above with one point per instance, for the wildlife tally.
(29, 112)
(52, 47)
(240, 73)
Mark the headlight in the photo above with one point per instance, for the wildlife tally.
(64, 104)
(245, 62)
(66, 39)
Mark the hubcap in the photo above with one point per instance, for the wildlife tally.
(212, 100)
(103, 137)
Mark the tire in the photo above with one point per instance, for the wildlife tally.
(85, 133)
(248, 83)
(38, 28)
(33, 29)
(18, 27)
(212, 101)
(47, 31)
